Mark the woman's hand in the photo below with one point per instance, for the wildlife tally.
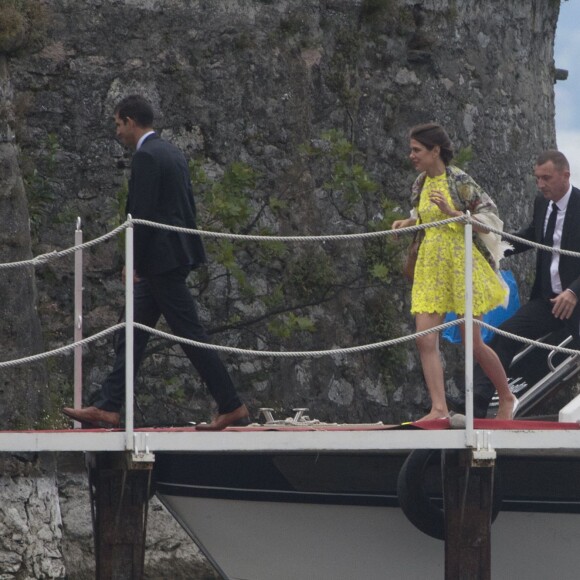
(441, 202)
(398, 224)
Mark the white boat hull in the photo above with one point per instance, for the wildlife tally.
(337, 516)
(250, 540)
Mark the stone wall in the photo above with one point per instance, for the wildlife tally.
(30, 521)
(23, 388)
(253, 81)
(46, 529)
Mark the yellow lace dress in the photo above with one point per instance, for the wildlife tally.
(439, 284)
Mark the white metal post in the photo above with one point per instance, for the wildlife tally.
(78, 324)
(129, 331)
(469, 433)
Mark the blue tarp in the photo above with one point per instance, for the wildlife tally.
(494, 317)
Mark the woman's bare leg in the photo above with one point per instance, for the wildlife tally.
(428, 346)
(491, 366)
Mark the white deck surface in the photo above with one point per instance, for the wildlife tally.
(283, 441)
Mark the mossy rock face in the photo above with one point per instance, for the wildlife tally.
(295, 116)
(12, 29)
(23, 26)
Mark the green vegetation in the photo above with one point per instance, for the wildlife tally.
(52, 417)
(39, 190)
(22, 25)
(121, 199)
(463, 157)
(301, 278)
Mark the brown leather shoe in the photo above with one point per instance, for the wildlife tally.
(94, 416)
(239, 416)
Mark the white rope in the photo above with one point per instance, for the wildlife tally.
(62, 349)
(362, 235)
(283, 354)
(230, 349)
(44, 258)
(55, 255)
(300, 353)
(527, 341)
(530, 243)
(320, 238)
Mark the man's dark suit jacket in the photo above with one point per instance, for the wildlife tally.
(569, 267)
(160, 191)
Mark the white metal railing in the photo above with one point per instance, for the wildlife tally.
(78, 321)
(469, 427)
(470, 435)
(129, 335)
(133, 440)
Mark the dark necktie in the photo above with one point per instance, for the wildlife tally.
(547, 256)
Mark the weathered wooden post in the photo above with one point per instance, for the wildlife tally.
(468, 499)
(120, 489)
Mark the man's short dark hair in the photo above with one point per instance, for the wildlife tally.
(556, 157)
(137, 108)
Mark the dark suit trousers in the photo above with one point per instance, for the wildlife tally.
(167, 294)
(533, 320)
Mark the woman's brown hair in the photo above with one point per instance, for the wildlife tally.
(431, 135)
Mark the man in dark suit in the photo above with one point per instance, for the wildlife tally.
(553, 301)
(160, 191)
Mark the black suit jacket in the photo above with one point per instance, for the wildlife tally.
(569, 267)
(160, 191)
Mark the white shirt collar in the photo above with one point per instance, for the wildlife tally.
(143, 137)
(562, 203)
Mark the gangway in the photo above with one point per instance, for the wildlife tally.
(115, 456)
(559, 364)
(537, 374)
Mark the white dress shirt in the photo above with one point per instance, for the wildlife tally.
(562, 205)
(143, 137)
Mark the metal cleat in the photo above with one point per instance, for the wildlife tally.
(299, 412)
(267, 412)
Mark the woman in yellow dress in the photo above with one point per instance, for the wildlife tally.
(439, 192)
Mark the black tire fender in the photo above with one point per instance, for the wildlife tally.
(418, 507)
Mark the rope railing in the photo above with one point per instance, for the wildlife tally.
(527, 341)
(63, 349)
(44, 258)
(468, 321)
(231, 349)
(317, 238)
(57, 254)
(283, 354)
(300, 353)
(362, 235)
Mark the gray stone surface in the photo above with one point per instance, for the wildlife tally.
(253, 81)
(46, 526)
(23, 388)
(30, 520)
(250, 81)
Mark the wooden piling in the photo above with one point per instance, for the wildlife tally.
(468, 499)
(120, 492)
